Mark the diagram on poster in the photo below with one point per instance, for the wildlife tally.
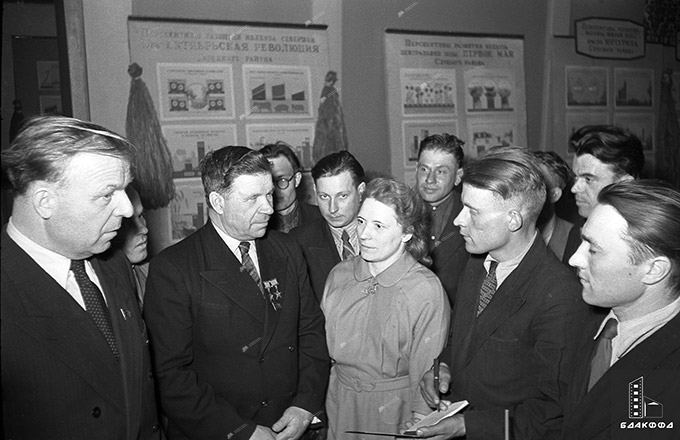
(580, 119)
(640, 124)
(188, 210)
(428, 91)
(298, 136)
(188, 144)
(489, 90)
(415, 131)
(634, 87)
(283, 91)
(586, 86)
(484, 134)
(202, 91)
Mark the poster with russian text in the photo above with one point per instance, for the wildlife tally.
(475, 80)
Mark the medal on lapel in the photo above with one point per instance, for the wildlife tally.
(273, 293)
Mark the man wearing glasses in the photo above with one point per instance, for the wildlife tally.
(289, 212)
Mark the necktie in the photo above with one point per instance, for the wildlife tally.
(347, 249)
(94, 304)
(603, 353)
(248, 265)
(488, 287)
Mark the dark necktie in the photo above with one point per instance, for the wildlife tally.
(248, 265)
(603, 353)
(488, 287)
(94, 304)
(347, 249)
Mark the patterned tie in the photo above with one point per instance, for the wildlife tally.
(94, 304)
(347, 249)
(488, 287)
(248, 265)
(603, 353)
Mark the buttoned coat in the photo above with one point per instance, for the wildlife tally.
(59, 377)
(226, 360)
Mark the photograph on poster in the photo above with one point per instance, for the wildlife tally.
(188, 144)
(298, 136)
(415, 131)
(586, 86)
(188, 210)
(484, 134)
(277, 91)
(50, 105)
(640, 124)
(578, 120)
(198, 91)
(634, 87)
(489, 90)
(428, 92)
(48, 75)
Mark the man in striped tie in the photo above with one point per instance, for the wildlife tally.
(517, 308)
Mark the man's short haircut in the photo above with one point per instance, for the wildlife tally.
(611, 145)
(652, 210)
(221, 167)
(412, 213)
(282, 149)
(446, 143)
(337, 163)
(513, 174)
(561, 175)
(46, 144)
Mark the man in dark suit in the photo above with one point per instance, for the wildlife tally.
(626, 382)
(237, 336)
(516, 312)
(558, 176)
(289, 212)
(603, 154)
(438, 174)
(75, 360)
(339, 182)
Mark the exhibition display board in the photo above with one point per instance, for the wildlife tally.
(463, 84)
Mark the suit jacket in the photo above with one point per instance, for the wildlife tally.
(449, 255)
(59, 377)
(319, 249)
(226, 360)
(599, 413)
(558, 240)
(308, 213)
(512, 356)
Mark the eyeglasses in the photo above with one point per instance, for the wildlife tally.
(283, 183)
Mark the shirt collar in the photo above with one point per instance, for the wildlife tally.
(505, 268)
(388, 277)
(56, 265)
(233, 243)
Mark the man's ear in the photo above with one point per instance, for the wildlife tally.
(658, 269)
(298, 178)
(216, 202)
(459, 177)
(361, 188)
(43, 199)
(626, 178)
(515, 220)
(554, 194)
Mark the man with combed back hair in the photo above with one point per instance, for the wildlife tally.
(515, 314)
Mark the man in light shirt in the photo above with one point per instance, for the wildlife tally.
(339, 183)
(238, 339)
(629, 261)
(75, 359)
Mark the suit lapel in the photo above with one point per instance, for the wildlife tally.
(64, 328)
(224, 273)
(272, 268)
